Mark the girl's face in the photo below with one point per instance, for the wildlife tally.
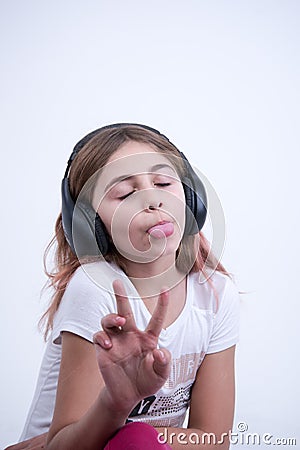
(141, 201)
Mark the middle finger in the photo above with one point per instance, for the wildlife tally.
(123, 306)
(156, 322)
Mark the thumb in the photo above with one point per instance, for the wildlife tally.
(162, 362)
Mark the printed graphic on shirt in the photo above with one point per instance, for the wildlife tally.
(169, 405)
(184, 369)
(172, 404)
(143, 406)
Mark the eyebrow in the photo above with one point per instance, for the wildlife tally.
(120, 178)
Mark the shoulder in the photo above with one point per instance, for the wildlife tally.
(93, 277)
(213, 291)
(88, 297)
(225, 332)
(225, 284)
(227, 292)
(92, 281)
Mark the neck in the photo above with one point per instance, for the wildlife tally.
(149, 279)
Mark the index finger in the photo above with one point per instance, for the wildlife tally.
(123, 306)
(156, 322)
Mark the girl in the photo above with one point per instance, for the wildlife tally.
(143, 320)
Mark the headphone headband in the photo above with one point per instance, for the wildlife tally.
(80, 144)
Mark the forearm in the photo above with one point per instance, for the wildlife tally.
(188, 438)
(92, 431)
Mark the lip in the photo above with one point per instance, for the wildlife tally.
(163, 228)
(161, 222)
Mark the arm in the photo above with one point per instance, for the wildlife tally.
(78, 395)
(35, 443)
(91, 407)
(212, 402)
(212, 405)
(92, 404)
(81, 417)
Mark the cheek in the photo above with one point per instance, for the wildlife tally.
(117, 218)
(177, 205)
(106, 213)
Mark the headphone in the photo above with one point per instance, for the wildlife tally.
(82, 225)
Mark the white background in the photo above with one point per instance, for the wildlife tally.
(221, 80)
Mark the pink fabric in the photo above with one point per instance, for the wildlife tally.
(136, 436)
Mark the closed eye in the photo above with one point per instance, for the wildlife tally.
(131, 192)
(126, 195)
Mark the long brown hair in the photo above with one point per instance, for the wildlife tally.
(93, 156)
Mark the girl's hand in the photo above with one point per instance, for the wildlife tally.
(131, 365)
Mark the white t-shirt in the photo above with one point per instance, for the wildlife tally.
(204, 326)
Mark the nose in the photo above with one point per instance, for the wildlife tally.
(150, 196)
(153, 207)
(152, 200)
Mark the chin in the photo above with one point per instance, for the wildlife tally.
(171, 248)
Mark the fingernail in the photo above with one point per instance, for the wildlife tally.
(107, 343)
(165, 290)
(162, 354)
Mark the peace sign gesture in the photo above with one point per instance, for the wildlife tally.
(131, 364)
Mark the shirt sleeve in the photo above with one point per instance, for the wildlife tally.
(82, 307)
(225, 332)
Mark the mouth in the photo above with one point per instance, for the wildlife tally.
(161, 229)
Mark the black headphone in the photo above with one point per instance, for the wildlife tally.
(82, 225)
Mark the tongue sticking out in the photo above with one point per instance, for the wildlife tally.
(161, 230)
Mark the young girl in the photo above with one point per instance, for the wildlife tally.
(143, 319)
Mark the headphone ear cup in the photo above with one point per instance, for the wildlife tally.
(83, 228)
(67, 209)
(196, 200)
(101, 235)
(190, 225)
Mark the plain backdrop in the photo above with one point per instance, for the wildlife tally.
(221, 80)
